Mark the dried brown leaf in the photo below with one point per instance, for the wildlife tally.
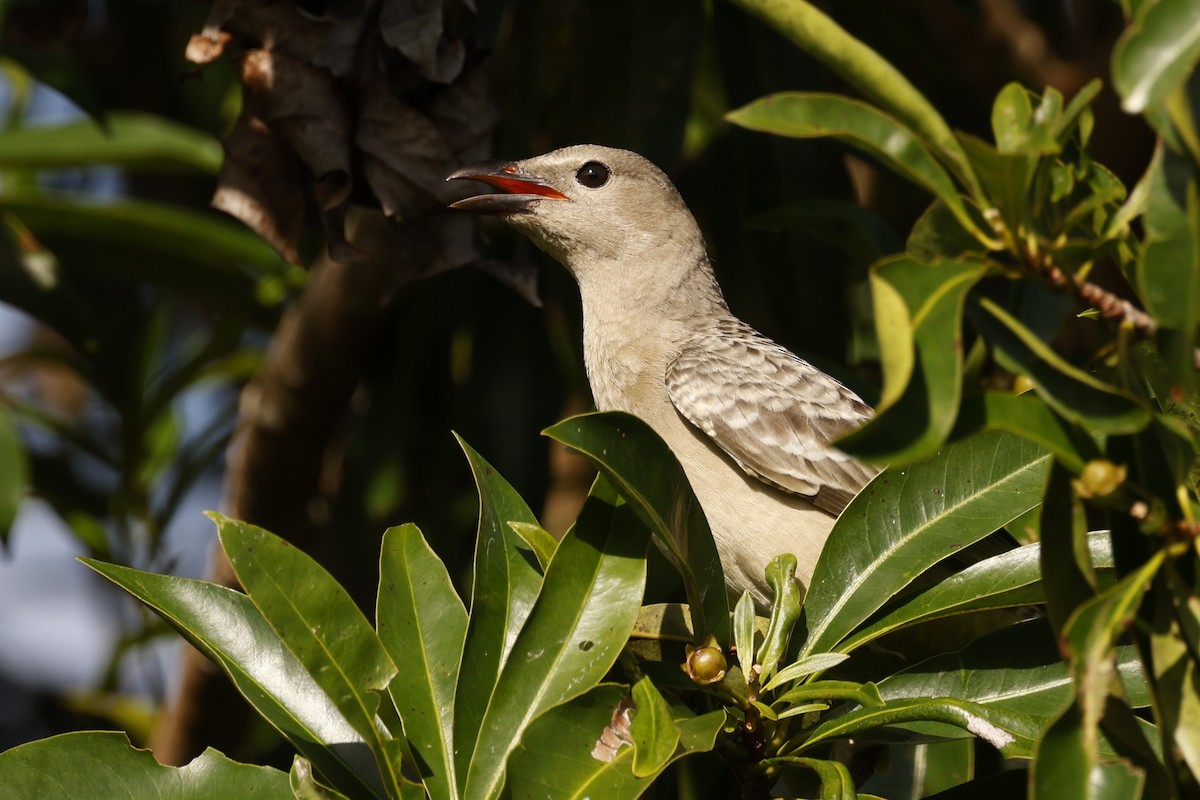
(304, 105)
(261, 184)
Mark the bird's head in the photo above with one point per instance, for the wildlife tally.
(592, 208)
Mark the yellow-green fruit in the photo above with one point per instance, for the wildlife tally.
(1100, 478)
(705, 665)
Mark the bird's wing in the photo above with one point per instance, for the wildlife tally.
(770, 411)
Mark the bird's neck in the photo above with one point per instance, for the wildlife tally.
(631, 333)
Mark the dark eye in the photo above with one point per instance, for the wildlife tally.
(593, 175)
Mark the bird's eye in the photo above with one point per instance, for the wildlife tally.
(593, 175)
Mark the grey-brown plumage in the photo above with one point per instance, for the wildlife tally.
(749, 421)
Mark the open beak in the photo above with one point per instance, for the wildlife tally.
(519, 191)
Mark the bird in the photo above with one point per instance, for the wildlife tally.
(750, 422)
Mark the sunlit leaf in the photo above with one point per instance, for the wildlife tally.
(95, 764)
(810, 115)
(577, 627)
(132, 140)
(320, 624)
(647, 474)
(907, 520)
(1073, 393)
(1007, 580)
(423, 625)
(1156, 53)
(229, 630)
(506, 584)
(555, 758)
(918, 319)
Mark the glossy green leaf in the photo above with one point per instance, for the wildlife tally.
(938, 234)
(581, 620)
(555, 757)
(1007, 580)
(169, 238)
(1066, 563)
(506, 584)
(1019, 668)
(654, 734)
(129, 139)
(1156, 53)
(812, 115)
(1011, 733)
(907, 520)
(1006, 178)
(743, 631)
(836, 783)
(14, 474)
(1089, 638)
(1065, 766)
(1013, 119)
(538, 539)
(1029, 416)
(786, 596)
(918, 319)
(1076, 395)
(1177, 677)
(647, 474)
(423, 625)
(823, 39)
(88, 764)
(1168, 271)
(832, 691)
(225, 626)
(319, 622)
(809, 665)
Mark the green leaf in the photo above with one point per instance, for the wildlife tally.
(1064, 767)
(14, 474)
(809, 665)
(647, 474)
(918, 319)
(1029, 416)
(1008, 580)
(1089, 638)
(506, 586)
(94, 764)
(1005, 177)
(1177, 678)
(812, 115)
(1168, 271)
(581, 620)
(1156, 53)
(907, 520)
(823, 39)
(1074, 394)
(423, 625)
(743, 632)
(1019, 668)
(938, 234)
(862, 694)
(555, 757)
(785, 612)
(226, 627)
(1020, 128)
(1066, 563)
(1011, 733)
(654, 734)
(320, 624)
(130, 139)
(836, 783)
(538, 539)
